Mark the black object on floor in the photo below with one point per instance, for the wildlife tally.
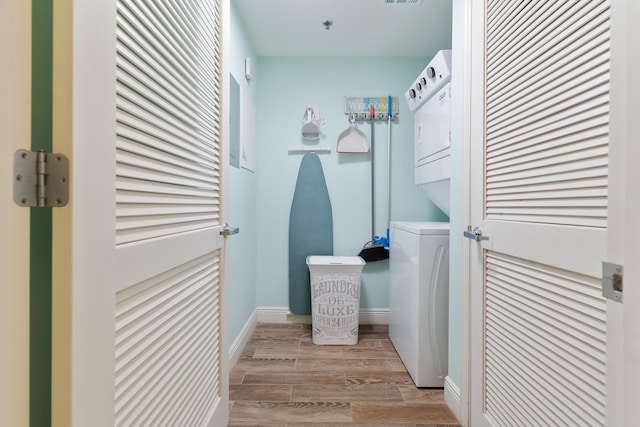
(374, 253)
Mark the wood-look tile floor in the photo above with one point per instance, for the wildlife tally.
(283, 379)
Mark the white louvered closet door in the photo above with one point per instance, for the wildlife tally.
(539, 137)
(137, 317)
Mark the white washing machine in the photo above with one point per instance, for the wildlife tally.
(419, 298)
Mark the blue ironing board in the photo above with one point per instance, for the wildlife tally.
(310, 230)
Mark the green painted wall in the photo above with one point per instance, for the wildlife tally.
(40, 240)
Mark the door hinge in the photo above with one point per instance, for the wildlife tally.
(40, 179)
(612, 281)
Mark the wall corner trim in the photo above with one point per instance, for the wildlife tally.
(235, 349)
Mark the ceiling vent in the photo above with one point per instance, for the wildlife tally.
(402, 2)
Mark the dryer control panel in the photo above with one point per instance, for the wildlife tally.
(435, 75)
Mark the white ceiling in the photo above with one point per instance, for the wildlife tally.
(360, 27)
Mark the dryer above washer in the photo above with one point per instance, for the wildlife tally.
(430, 100)
(434, 76)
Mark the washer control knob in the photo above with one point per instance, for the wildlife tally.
(431, 72)
(423, 81)
(412, 93)
(419, 86)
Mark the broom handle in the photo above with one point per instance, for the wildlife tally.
(389, 112)
(373, 204)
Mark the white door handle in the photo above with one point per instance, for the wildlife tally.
(228, 231)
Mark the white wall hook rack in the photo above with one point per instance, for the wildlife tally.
(359, 107)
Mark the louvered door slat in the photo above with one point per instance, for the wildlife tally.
(165, 167)
(168, 110)
(153, 108)
(161, 42)
(513, 32)
(524, 413)
(153, 77)
(563, 355)
(564, 194)
(529, 189)
(559, 77)
(575, 174)
(152, 372)
(555, 156)
(131, 171)
(154, 84)
(136, 117)
(182, 161)
(166, 328)
(167, 209)
(528, 385)
(152, 196)
(139, 222)
(144, 139)
(559, 143)
(137, 327)
(542, 49)
(543, 105)
(573, 133)
(580, 117)
(549, 327)
(139, 231)
(554, 293)
(588, 165)
(540, 379)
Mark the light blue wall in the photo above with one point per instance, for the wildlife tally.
(241, 248)
(286, 86)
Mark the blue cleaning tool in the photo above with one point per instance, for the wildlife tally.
(381, 241)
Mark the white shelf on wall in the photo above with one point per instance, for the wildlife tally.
(309, 149)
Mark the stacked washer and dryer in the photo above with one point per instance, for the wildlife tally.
(419, 252)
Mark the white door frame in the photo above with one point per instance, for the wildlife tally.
(623, 347)
(467, 46)
(15, 133)
(461, 84)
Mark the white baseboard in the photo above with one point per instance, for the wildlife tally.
(280, 315)
(368, 316)
(374, 316)
(241, 340)
(452, 399)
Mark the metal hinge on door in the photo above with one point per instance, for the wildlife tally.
(40, 179)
